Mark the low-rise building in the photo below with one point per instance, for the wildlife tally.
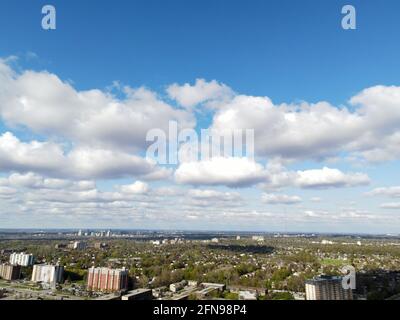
(219, 286)
(138, 294)
(175, 287)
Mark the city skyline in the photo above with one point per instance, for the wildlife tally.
(76, 104)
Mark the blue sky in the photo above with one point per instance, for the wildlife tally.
(292, 52)
(283, 49)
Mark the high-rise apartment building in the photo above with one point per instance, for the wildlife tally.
(77, 245)
(10, 272)
(107, 280)
(327, 288)
(22, 259)
(47, 273)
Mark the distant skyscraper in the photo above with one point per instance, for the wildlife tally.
(327, 288)
(21, 259)
(107, 280)
(47, 273)
(10, 272)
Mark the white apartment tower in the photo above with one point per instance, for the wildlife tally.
(21, 259)
(327, 288)
(47, 273)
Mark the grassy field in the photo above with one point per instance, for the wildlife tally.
(7, 284)
(333, 262)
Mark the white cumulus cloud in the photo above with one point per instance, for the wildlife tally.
(271, 198)
(232, 172)
(202, 91)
